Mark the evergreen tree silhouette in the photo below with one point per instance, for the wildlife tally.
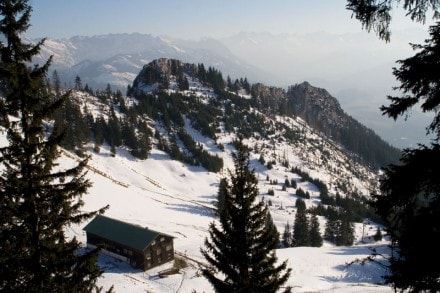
(38, 202)
(241, 252)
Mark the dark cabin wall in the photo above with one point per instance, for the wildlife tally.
(136, 257)
(160, 251)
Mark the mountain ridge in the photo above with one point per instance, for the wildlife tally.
(315, 105)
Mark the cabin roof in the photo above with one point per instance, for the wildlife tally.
(121, 232)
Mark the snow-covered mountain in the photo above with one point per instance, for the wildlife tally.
(354, 68)
(178, 198)
(187, 110)
(116, 59)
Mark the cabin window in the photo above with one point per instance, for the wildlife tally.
(158, 251)
(153, 243)
(162, 239)
(168, 247)
(148, 256)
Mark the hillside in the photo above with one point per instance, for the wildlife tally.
(314, 105)
(323, 112)
(158, 154)
(177, 199)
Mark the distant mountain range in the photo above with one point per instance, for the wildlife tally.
(116, 59)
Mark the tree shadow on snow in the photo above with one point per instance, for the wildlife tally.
(192, 209)
(368, 272)
(360, 250)
(361, 270)
(113, 265)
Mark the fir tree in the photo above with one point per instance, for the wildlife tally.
(409, 200)
(300, 205)
(345, 237)
(301, 227)
(315, 237)
(331, 229)
(376, 15)
(378, 235)
(287, 236)
(69, 121)
(241, 252)
(37, 202)
(221, 195)
(78, 83)
(339, 230)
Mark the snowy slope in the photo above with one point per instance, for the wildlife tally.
(176, 199)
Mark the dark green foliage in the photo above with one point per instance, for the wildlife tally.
(38, 202)
(358, 206)
(301, 228)
(112, 131)
(215, 78)
(378, 235)
(287, 236)
(78, 83)
(331, 230)
(242, 249)
(303, 194)
(315, 237)
(306, 177)
(373, 150)
(128, 134)
(169, 109)
(410, 207)
(262, 160)
(356, 138)
(300, 205)
(376, 14)
(293, 183)
(346, 232)
(212, 163)
(204, 116)
(305, 232)
(136, 139)
(236, 114)
(420, 81)
(98, 130)
(339, 229)
(182, 82)
(70, 122)
(221, 195)
(409, 203)
(269, 165)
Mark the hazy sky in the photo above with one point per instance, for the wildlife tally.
(190, 19)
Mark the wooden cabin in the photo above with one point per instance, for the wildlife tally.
(141, 247)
